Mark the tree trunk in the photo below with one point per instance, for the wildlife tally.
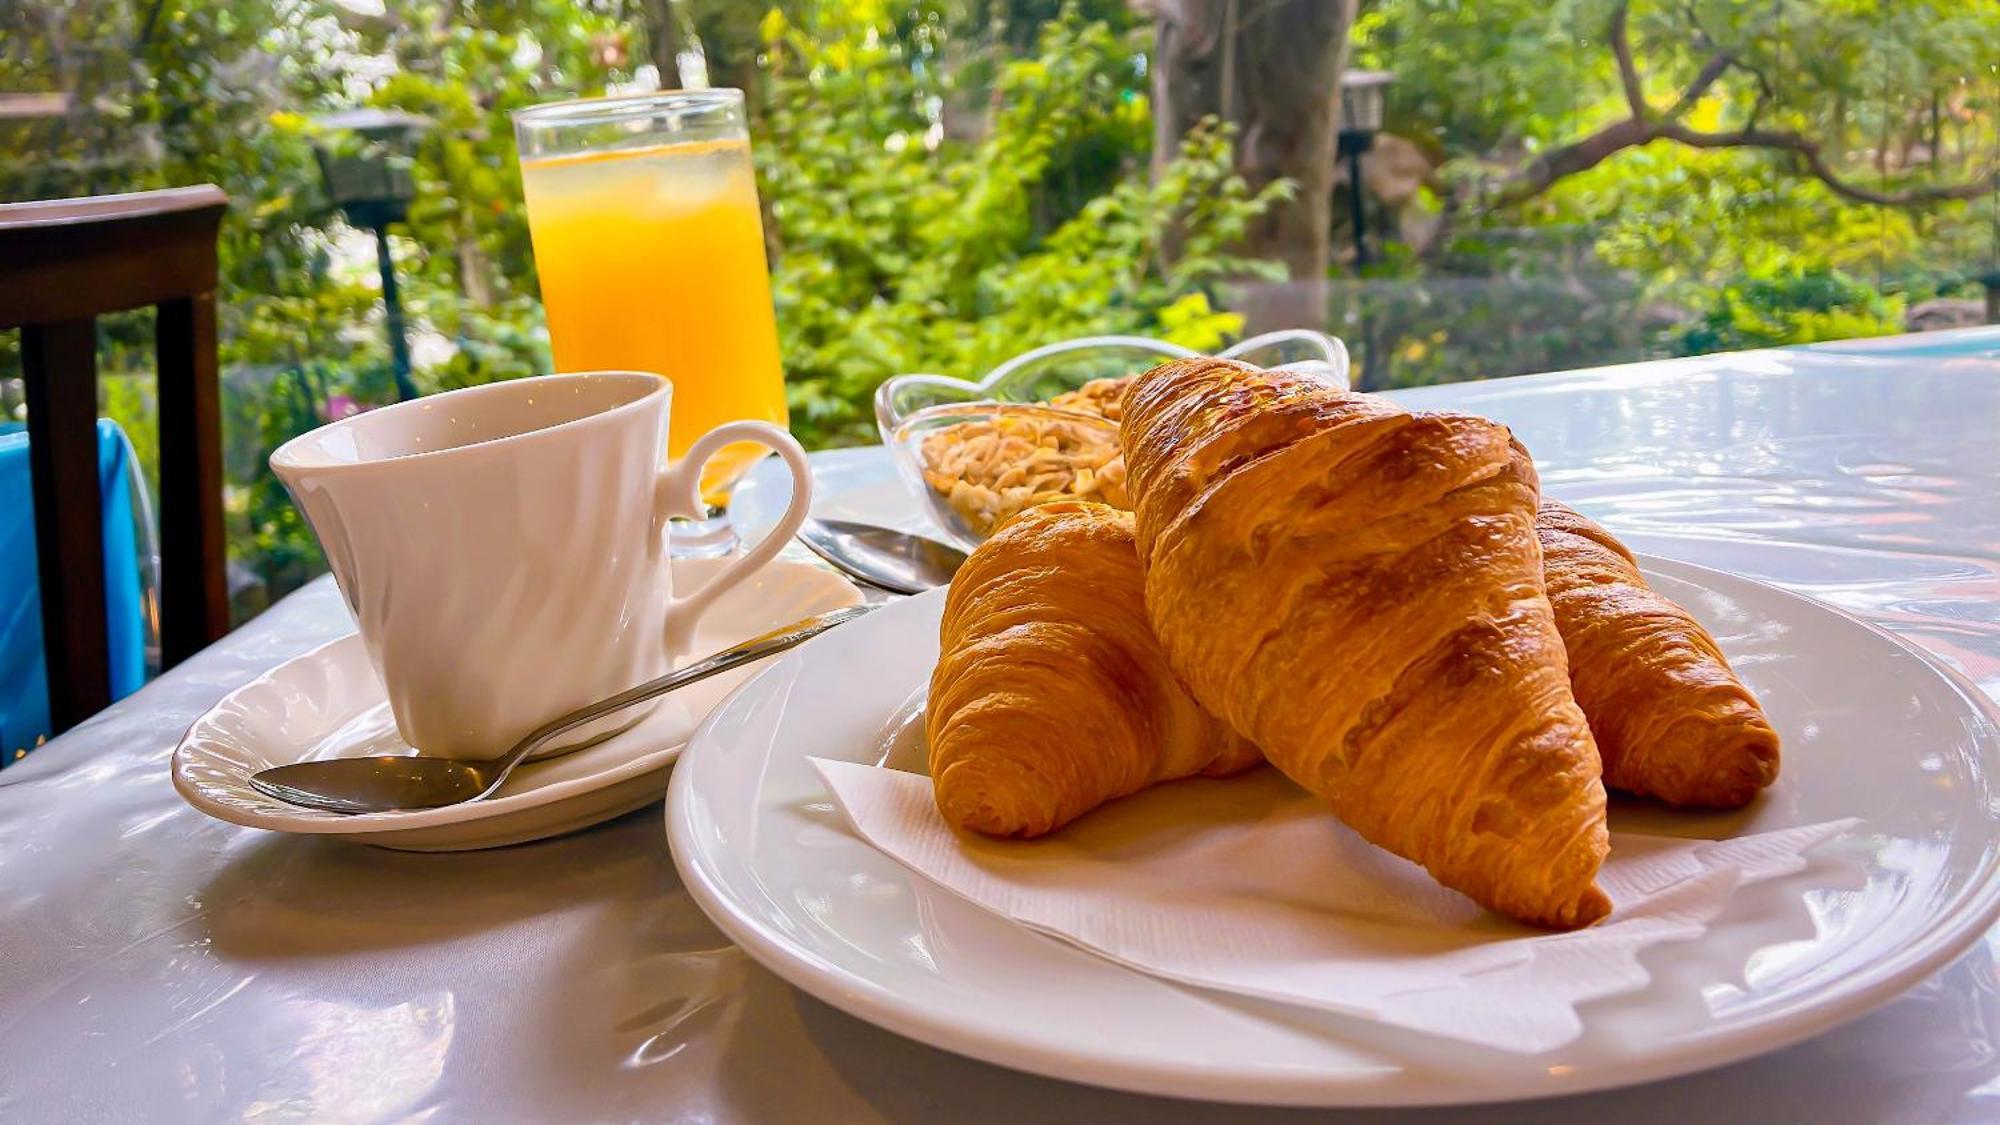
(728, 33)
(1272, 68)
(475, 271)
(663, 41)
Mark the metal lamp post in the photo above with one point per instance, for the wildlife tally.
(364, 157)
(1362, 93)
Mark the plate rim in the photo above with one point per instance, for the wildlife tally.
(307, 823)
(358, 823)
(1953, 930)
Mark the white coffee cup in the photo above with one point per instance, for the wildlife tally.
(504, 547)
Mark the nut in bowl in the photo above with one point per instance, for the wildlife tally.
(979, 465)
(1044, 425)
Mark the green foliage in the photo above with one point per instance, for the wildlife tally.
(901, 249)
(1853, 73)
(948, 182)
(1689, 219)
(1790, 306)
(1896, 96)
(131, 403)
(1479, 79)
(1494, 80)
(468, 71)
(224, 91)
(1503, 303)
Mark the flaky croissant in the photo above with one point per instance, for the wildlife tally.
(1671, 720)
(1357, 589)
(1050, 695)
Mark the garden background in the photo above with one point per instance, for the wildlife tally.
(946, 182)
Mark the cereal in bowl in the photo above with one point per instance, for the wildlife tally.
(989, 470)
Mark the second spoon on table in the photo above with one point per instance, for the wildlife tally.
(896, 561)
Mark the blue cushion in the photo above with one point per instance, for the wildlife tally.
(24, 701)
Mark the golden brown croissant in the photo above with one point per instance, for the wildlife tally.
(1671, 720)
(1357, 589)
(1050, 695)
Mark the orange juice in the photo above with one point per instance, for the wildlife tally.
(652, 259)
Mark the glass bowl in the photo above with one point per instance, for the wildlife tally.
(1042, 374)
(976, 453)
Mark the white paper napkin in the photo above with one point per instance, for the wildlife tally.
(1250, 886)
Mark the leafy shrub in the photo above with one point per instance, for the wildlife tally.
(948, 182)
(1791, 307)
(900, 249)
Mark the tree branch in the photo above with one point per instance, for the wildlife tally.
(1628, 71)
(663, 41)
(1643, 127)
(1766, 94)
(1809, 151)
(1693, 18)
(146, 27)
(1711, 70)
(1578, 156)
(1756, 113)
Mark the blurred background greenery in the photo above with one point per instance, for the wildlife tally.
(946, 182)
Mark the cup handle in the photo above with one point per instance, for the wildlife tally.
(678, 495)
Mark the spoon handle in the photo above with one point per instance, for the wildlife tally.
(756, 648)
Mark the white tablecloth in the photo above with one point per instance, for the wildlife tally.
(157, 964)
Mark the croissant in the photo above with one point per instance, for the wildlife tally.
(1671, 720)
(1357, 589)
(1050, 695)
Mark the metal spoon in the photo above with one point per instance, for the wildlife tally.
(390, 782)
(896, 561)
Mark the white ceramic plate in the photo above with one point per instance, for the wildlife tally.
(1872, 728)
(330, 703)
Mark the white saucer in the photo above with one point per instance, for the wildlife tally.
(1873, 729)
(329, 703)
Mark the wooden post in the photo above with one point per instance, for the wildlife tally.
(194, 598)
(59, 361)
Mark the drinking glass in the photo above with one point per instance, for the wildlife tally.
(650, 246)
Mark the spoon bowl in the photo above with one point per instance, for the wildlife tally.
(400, 783)
(896, 561)
(381, 781)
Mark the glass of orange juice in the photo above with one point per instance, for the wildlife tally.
(650, 246)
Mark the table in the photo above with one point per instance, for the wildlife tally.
(156, 963)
